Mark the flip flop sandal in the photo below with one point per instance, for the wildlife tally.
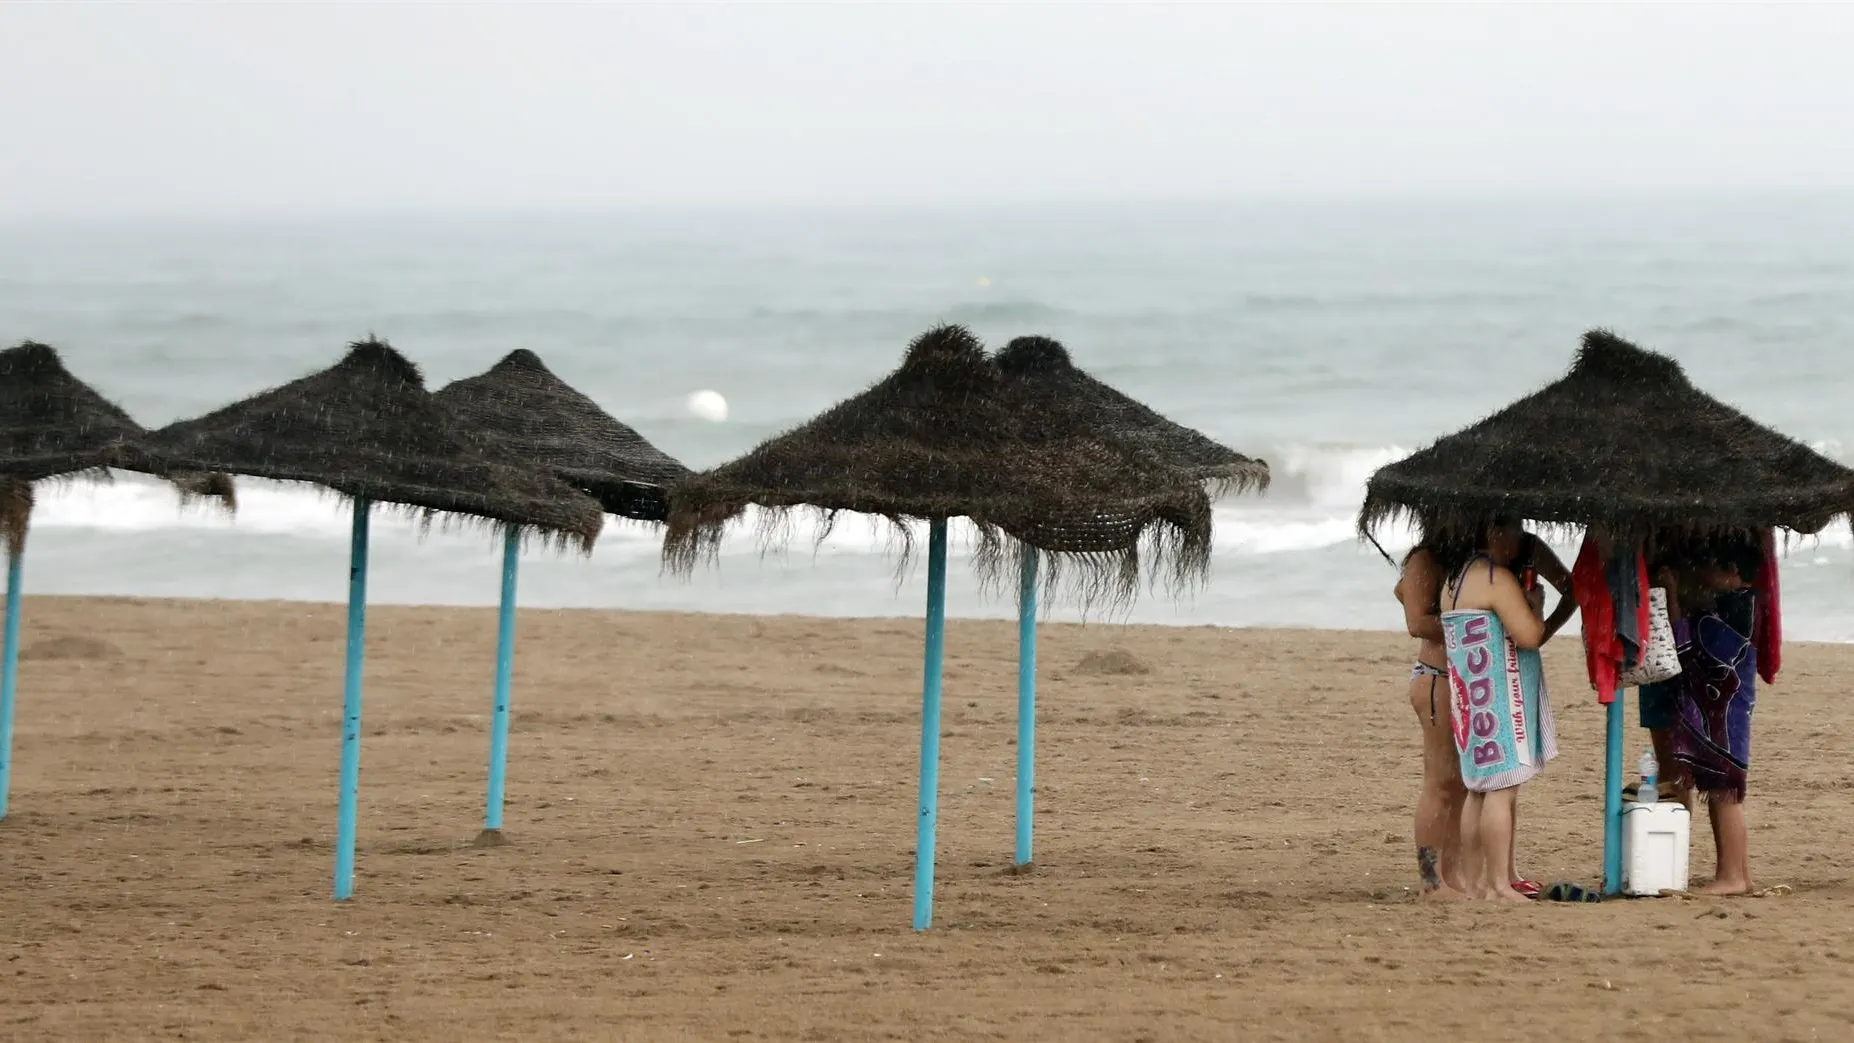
(1564, 891)
(1529, 888)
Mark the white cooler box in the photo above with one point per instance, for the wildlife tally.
(1654, 847)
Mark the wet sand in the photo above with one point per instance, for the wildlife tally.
(711, 826)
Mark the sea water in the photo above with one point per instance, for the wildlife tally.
(1328, 338)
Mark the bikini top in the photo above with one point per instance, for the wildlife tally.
(1454, 585)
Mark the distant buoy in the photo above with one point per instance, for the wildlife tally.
(709, 406)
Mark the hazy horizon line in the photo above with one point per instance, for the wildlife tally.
(772, 207)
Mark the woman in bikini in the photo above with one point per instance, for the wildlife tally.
(1438, 805)
(1439, 802)
(1503, 727)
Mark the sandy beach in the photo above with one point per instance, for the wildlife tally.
(712, 821)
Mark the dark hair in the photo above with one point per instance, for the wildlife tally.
(1740, 552)
(1475, 540)
(1668, 549)
(1454, 548)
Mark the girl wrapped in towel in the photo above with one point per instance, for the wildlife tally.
(1492, 628)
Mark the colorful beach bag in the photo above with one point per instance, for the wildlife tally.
(1659, 659)
(1502, 718)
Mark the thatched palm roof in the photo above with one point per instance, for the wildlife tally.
(1048, 375)
(367, 428)
(53, 424)
(946, 436)
(1623, 441)
(521, 410)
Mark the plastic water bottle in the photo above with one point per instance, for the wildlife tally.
(1647, 792)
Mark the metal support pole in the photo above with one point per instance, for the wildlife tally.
(1612, 800)
(9, 674)
(351, 704)
(930, 726)
(1026, 707)
(505, 662)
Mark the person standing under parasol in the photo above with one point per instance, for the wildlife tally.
(1623, 446)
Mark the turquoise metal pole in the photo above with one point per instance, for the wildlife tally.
(1026, 707)
(1612, 800)
(930, 726)
(505, 662)
(351, 704)
(9, 674)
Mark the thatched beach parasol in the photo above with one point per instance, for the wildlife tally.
(519, 410)
(52, 425)
(947, 436)
(367, 429)
(522, 410)
(1040, 369)
(1623, 444)
(1624, 441)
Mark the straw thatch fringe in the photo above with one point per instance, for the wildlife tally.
(947, 436)
(775, 530)
(1623, 442)
(1171, 553)
(15, 515)
(520, 410)
(426, 520)
(1168, 558)
(366, 428)
(196, 486)
(1168, 555)
(1468, 524)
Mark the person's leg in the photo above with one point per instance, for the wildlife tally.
(1731, 845)
(1454, 868)
(1472, 867)
(1496, 838)
(1512, 850)
(1662, 739)
(1474, 846)
(1438, 824)
(1658, 715)
(1670, 768)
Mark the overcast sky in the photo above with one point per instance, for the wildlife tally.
(161, 107)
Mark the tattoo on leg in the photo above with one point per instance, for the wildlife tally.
(1426, 863)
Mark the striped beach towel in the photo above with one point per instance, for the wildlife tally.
(1502, 717)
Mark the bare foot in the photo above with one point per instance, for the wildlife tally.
(1443, 893)
(1726, 889)
(1505, 893)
